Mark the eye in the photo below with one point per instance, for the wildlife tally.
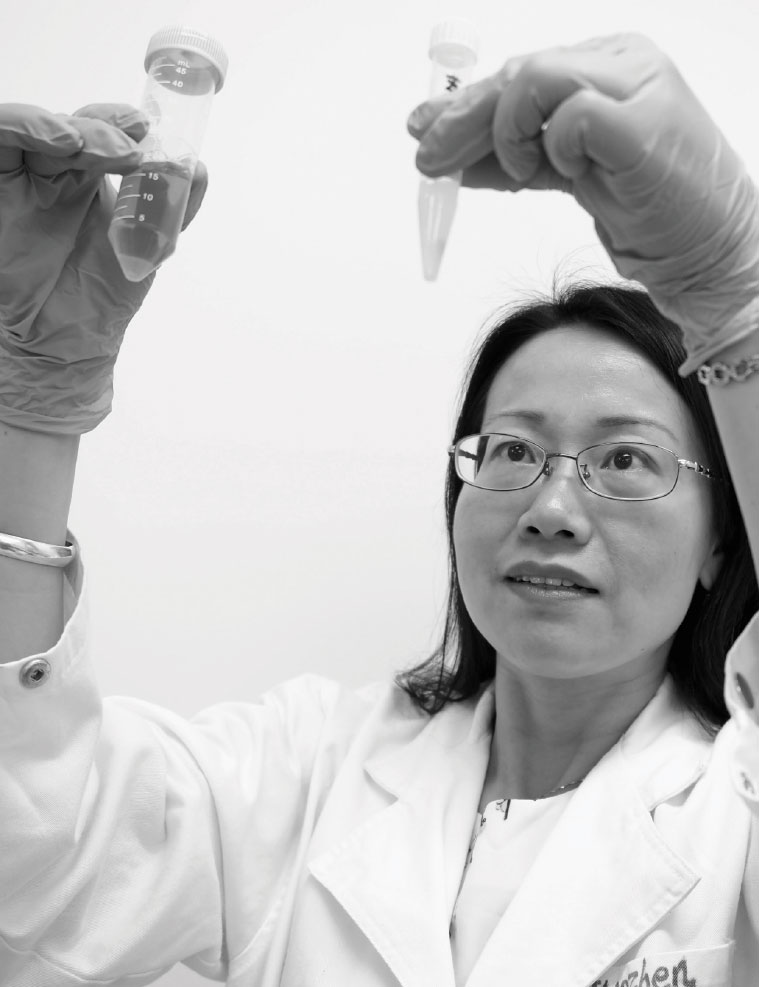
(623, 458)
(515, 452)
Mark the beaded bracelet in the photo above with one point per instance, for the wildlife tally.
(722, 373)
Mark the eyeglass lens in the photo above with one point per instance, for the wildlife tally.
(622, 470)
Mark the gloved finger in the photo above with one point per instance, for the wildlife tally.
(24, 127)
(127, 118)
(104, 149)
(488, 173)
(197, 192)
(615, 66)
(425, 114)
(461, 133)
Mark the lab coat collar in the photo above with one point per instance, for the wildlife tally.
(606, 875)
(398, 872)
(665, 750)
(604, 878)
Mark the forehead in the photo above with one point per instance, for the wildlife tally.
(575, 375)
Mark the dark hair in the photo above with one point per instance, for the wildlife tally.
(464, 660)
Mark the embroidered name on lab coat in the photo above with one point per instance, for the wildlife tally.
(659, 976)
(699, 967)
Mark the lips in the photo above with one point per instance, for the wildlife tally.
(549, 576)
(550, 584)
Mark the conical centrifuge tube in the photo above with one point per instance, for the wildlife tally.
(185, 69)
(453, 52)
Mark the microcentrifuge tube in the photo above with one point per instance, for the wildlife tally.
(453, 52)
(185, 69)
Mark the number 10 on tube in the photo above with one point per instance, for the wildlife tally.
(453, 50)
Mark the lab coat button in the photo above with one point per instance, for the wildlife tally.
(744, 691)
(34, 673)
(749, 787)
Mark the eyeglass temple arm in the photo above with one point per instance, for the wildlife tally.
(697, 468)
(462, 452)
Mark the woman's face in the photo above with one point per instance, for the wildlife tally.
(643, 559)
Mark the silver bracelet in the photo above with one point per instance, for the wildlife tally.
(36, 551)
(722, 373)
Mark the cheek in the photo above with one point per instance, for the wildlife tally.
(474, 556)
(480, 527)
(658, 558)
(463, 534)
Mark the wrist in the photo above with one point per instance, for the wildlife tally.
(738, 349)
(36, 483)
(730, 339)
(37, 473)
(733, 363)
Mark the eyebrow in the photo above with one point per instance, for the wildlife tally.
(605, 422)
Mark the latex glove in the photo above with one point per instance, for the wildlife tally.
(64, 302)
(613, 122)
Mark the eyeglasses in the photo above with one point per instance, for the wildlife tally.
(615, 470)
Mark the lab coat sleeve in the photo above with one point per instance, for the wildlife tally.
(131, 838)
(742, 698)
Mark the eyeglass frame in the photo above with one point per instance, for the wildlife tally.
(546, 469)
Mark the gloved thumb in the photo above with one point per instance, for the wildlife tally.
(590, 128)
(197, 192)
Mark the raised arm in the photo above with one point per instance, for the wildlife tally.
(64, 306)
(612, 122)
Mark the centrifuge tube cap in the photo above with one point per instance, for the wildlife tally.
(189, 39)
(455, 38)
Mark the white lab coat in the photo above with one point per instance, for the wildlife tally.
(318, 838)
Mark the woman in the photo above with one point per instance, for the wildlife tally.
(667, 577)
(322, 836)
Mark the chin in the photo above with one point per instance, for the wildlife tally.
(552, 655)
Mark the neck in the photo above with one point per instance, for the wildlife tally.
(550, 732)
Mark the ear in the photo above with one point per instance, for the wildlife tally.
(711, 567)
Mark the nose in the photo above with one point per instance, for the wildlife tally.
(557, 505)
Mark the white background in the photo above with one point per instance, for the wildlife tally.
(267, 496)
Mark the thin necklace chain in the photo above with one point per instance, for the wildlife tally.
(560, 789)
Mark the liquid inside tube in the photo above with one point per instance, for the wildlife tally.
(437, 208)
(453, 52)
(148, 216)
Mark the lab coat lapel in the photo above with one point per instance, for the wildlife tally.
(397, 873)
(606, 876)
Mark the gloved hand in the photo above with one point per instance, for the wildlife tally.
(613, 122)
(64, 302)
